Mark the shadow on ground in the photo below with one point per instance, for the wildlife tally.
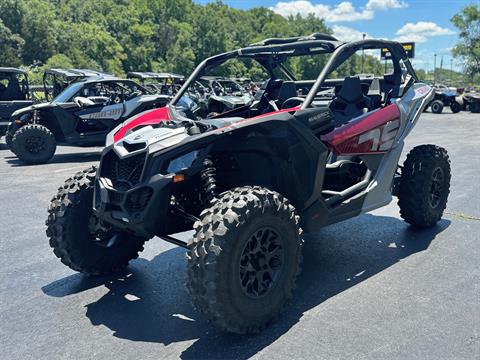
(60, 158)
(149, 301)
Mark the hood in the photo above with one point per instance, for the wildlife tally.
(31, 108)
(149, 117)
(138, 140)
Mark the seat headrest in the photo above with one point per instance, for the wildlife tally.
(287, 90)
(351, 89)
(374, 88)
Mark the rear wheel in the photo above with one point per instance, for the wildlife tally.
(34, 144)
(475, 107)
(78, 238)
(455, 107)
(244, 259)
(437, 106)
(424, 185)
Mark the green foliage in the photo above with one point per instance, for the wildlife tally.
(10, 46)
(147, 35)
(468, 48)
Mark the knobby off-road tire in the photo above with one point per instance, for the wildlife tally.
(34, 144)
(424, 185)
(68, 227)
(8, 140)
(437, 106)
(247, 234)
(455, 107)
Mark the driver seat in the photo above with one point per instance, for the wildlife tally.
(350, 102)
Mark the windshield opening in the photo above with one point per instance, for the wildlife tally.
(67, 94)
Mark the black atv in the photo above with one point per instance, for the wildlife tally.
(82, 115)
(249, 180)
(444, 97)
(14, 94)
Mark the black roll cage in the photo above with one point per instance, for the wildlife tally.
(272, 53)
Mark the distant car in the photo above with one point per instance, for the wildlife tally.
(14, 94)
(82, 115)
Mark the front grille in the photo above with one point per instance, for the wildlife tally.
(138, 199)
(123, 173)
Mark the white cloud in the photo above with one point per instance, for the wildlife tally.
(343, 11)
(344, 33)
(385, 4)
(421, 31)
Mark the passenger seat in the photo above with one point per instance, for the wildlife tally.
(350, 101)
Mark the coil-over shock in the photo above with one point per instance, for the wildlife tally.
(207, 176)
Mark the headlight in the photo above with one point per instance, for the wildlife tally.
(182, 162)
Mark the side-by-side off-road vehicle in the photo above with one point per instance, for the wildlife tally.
(250, 180)
(158, 83)
(82, 115)
(14, 94)
(57, 80)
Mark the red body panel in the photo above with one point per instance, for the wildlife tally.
(373, 132)
(156, 115)
(148, 118)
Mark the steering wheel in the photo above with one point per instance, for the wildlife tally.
(292, 102)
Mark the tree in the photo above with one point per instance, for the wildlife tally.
(468, 48)
(10, 46)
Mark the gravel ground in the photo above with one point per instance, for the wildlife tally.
(371, 287)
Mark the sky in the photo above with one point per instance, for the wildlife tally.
(426, 22)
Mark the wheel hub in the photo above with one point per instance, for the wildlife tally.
(34, 144)
(101, 235)
(436, 188)
(261, 262)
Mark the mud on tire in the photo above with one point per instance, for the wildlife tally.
(249, 233)
(68, 227)
(33, 144)
(424, 185)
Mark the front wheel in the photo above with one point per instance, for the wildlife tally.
(424, 185)
(244, 259)
(33, 144)
(437, 106)
(78, 238)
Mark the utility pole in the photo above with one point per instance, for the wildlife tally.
(434, 69)
(363, 54)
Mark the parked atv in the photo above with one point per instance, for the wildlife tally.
(82, 115)
(14, 94)
(250, 181)
(444, 97)
(471, 101)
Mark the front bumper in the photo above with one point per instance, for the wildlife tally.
(140, 208)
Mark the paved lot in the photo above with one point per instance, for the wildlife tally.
(371, 287)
